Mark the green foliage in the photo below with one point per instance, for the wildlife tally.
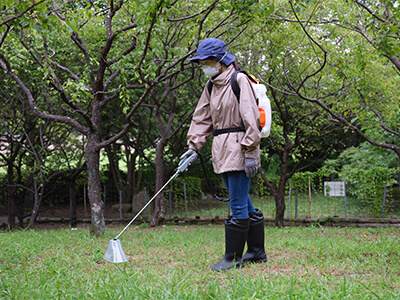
(193, 188)
(271, 166)
(302, 180)
(367, 171)
(369, 186)
(260, 190)
(357, 79)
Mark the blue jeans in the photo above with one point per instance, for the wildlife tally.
(238, 185)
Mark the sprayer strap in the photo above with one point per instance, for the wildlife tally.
(216, 132)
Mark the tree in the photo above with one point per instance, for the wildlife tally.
(336, 71)
(12, 152)
(27, 148)
(171, 112)
(302, 135)
(91, 55)
(366, 102)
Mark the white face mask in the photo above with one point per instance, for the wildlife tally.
(210, 71)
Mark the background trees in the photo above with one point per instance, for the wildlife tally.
(88, 57)
(115, 74)
(342, 74)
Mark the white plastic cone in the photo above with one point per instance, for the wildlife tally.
(114, 252)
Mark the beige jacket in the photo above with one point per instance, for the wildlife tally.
(222, 110)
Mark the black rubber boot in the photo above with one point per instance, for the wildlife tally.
(255, 239)
(235, 238)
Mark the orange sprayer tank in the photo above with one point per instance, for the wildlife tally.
(264, 106)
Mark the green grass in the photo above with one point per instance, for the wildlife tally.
(172, 262)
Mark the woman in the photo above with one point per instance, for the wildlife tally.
(235, 149)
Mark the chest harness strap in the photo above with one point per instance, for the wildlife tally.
(236, 90)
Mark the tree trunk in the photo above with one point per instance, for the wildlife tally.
(38, 194)
(11, 198)
(73, 194)
(159, 208)
(113, 160)
(20, 211)
(11, 208)
(72, 204)
(279, 192)
(94, 186)
(130, 177)
(279, 209)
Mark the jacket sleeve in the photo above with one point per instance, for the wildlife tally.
(201, 125)
(250, 116)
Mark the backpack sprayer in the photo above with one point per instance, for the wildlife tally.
(114, 252)
(263, 103)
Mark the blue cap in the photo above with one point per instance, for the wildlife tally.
(212, 48)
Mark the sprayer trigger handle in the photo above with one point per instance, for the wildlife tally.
(183, 166)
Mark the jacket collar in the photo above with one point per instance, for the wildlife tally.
(225, 77)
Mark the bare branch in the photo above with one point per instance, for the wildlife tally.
(126, 52)
(16, 54)
(137, 104)
(21, 13)
(68, 71)
(5, 33)
(112, 77)
(185, 18)
(114, 138)
(313, 41)
(278, 18)
(147, 42)
(6, 66)
(363, 5)
(56, 11)
(378, 115)
(58, 84)
(21, 38)
(77, 40)
(353, 127)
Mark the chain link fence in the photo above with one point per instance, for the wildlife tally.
(181, 202)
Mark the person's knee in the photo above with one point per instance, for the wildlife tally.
(240, 212)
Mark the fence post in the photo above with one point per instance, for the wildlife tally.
(297, 203)
(120, 204)
(104, 201)
(170, 205)
(290, 197)
(345, 200)
(384, 202)
(184, 194)
(133, 205)
(84, 198)
(309, 196)
(145, 202)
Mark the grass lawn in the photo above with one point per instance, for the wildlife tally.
(172, 262)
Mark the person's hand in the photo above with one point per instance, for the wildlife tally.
(186, 155)
(250, 166)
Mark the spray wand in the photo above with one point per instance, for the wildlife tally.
(114, 251)
(181, 168)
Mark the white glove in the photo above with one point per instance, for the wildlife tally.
(250, 166)
(188, 154)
